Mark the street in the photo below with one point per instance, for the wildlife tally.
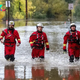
(56, 65)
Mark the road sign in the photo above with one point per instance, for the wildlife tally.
(70, 6)
(7, 3)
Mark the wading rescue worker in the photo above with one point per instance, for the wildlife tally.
(73, 38)
(37, 41)
(10, 35)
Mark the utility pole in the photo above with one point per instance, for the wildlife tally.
(26, 9)
(8, 15)
(70, 16)
(26, 13)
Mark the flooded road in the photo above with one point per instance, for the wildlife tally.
(56, 65)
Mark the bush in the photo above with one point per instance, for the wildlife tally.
(39, 15)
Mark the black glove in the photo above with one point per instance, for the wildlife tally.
(32, 47)
(64, 51)
(47, 48)
(78, 41)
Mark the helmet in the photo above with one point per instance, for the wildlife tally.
(72, 24)
(39, 24)
(11, 22)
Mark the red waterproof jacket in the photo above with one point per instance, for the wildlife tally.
(10, 36)
(72, 38)
(38, 40)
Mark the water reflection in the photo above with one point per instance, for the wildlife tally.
(71, 74)
(9, 72)
(53, 75)
(39, 73)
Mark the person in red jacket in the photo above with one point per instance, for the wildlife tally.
(10, 35)
(73, 39)
(37, 41)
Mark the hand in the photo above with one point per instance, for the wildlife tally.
(18, 44)
(64, 51)
(2, 41)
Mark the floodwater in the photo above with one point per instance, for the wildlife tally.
(56, 65)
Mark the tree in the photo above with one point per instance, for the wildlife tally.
(70, 1)
(58, 8)
(49, 8)
(77, 9)
(19, 9)
(41, 8)
(2, 14)
(31, 9)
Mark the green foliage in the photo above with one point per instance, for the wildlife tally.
(39, 15)
(19, 9)
(41, 9)
(31, 9)
(2, 14)
(49, 8)
(57, 7)
(77, 9)
(70, 1)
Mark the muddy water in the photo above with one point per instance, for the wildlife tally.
(56, 65)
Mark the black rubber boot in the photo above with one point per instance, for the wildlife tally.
(41, 58)
(76, 58)
(33, 57)
(7, 57)
(12, 58)
(71, 58)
